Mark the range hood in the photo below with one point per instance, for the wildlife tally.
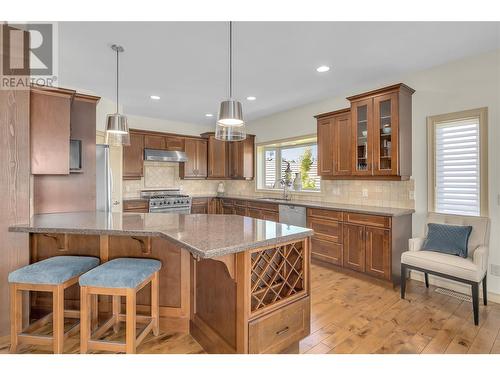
(162, 155)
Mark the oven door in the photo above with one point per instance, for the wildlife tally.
(170, 210)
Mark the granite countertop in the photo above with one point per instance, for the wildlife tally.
(205, 236)
(374, 210)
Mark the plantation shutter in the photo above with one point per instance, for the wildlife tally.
(457, 167)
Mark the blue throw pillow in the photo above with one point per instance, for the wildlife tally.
(447, 239)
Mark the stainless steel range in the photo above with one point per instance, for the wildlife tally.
(167, 201)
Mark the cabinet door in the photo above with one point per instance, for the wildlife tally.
(155, 142)
(325, 147)
(174, 143)
(378, 252)
(188, 168)
(242, 211)
(199, 209)
(362, 136)
(385, 132)
(342, 145)
(49, 133)
(133, 157)
(201, 158)
(217, 158)
(354, 247)
(235, 157)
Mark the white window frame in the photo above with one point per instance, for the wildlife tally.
(278, 146)
(432, 122)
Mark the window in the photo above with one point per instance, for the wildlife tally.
(458, 163)
(301, 155)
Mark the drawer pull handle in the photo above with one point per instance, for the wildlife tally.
(282, 331)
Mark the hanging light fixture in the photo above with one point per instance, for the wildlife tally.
(230, 125)
(117, 133)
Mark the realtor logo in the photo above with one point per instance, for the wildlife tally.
(28, 61)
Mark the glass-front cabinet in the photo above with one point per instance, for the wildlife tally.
(385, 132)
(362, 137)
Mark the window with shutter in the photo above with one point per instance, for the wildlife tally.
(458, 181)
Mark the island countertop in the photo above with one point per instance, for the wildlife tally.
(205, 236)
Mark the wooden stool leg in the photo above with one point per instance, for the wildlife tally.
(16, 316)
(116, 312)
(130, 322)
(58, 318)
(155, 303)
(94, 317)
(84, 319)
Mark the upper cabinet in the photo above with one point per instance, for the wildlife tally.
(133, 157)
(196, 165)
(372, 139)
(217, 157)
(334, 146)
(241, 158)
(156, 142)
(50, 118)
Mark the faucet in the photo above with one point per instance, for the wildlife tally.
(286, 182)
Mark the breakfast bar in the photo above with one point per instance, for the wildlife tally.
(236, 284)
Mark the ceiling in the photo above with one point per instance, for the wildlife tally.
(186, 63)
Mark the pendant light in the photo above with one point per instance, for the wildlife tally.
(230, 125)
(117, 133)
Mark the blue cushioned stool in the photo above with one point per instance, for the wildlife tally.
(53, 275)
(121, 277)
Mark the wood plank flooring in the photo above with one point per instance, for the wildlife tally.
(352, 313)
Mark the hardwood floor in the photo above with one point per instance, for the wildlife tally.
(352, 313)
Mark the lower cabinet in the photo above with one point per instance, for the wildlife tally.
(278, 330)
(366, 243)
(136, 205)
(200, 206)
(354, 247)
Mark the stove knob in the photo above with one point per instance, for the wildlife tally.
(169, 202)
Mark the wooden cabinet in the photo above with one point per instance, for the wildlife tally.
(200, 206)
(217, 157)
(366, 243)
(371, 139)
(378, 252)
(156, 142)
(173, 143)
(136, 205)
(276, 331)
(133, 157)
(253, 209)
(196, 165)
(50, 117)
(334, 146)
(327, 239)
(354, 247)
(241, 158)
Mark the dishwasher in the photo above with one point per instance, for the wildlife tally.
(293, 215)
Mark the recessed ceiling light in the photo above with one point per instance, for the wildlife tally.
(209, 115)
(155, 97)
(322, 68)
(251, 98)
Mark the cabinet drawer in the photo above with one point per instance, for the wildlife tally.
(242, 211)
(325, 214)
(372, 220)
(274, 332)
(199, 201)
(263, 206)
(271, 216)
(227, 202)
(327, 229)
(327, 251)
(135, 205)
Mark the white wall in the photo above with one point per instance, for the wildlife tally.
(466, 84)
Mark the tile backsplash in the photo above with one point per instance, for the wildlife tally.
(370, 193)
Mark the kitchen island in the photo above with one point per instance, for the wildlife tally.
(236, 284)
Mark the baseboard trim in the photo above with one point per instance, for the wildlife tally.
(453, 285)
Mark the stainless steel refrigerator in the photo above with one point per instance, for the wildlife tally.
(103, 177)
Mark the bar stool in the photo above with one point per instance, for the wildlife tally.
(121, 277)
(53, 275)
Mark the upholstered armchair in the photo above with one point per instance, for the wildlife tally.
(471, 270)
